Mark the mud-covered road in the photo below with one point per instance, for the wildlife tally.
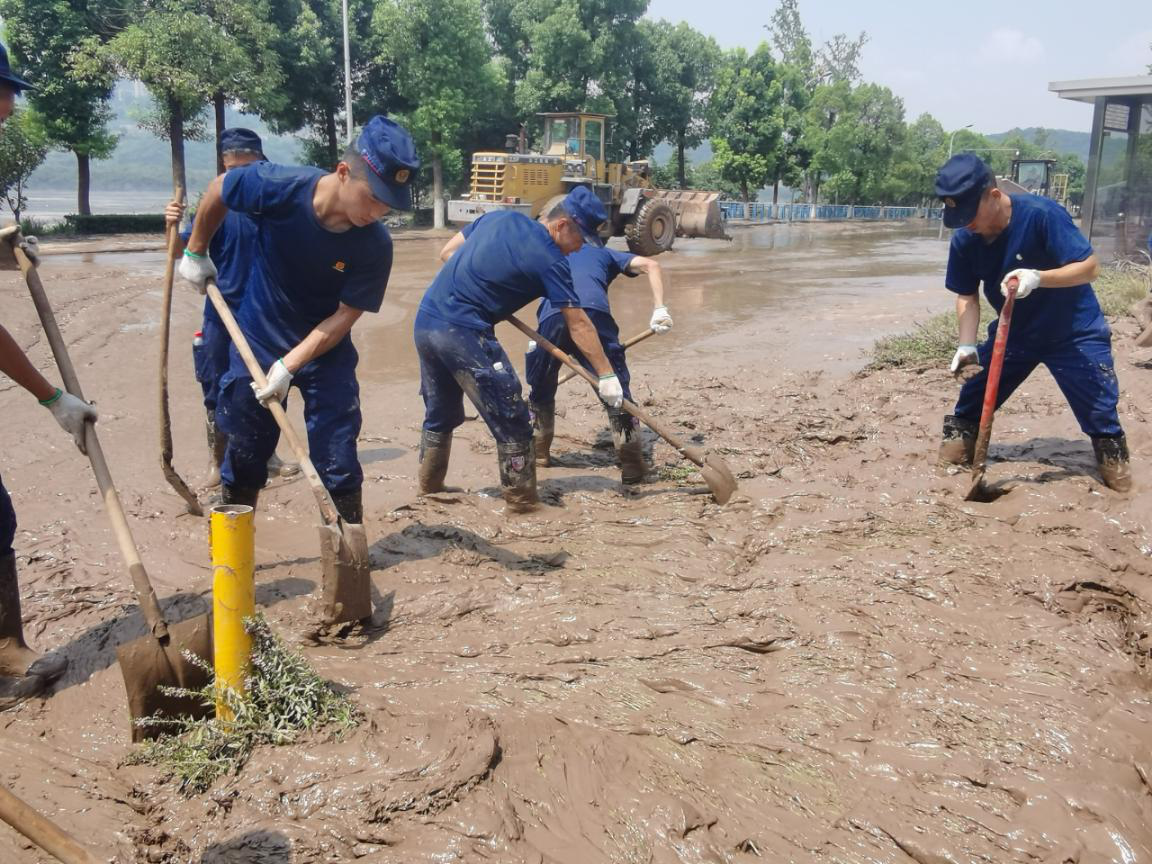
(848, 663)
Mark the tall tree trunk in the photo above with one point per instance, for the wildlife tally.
(176, 140)
(744, 191)
(776, 192)
(333, 141)
(680, 159)
(218, 109)
(438, 220)
(83, 184)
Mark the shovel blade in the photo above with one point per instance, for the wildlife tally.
(719, 478)
(347, 581)
(148, 664)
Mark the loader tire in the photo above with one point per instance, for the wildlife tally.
(652, 230)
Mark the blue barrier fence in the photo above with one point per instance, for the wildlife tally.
(757, 211)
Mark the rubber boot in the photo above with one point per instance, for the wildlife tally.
(435, 451)
(629, 447)
(518, 476)
(23, 672)
(217, 446)
(350, 506)
(543, 430)
(277, 467)
(958, 443)
(238, 495)
(1112, 460)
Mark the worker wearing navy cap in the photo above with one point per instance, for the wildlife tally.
(231, 251)
(495, 265)
(322, 259)
(1056, 320)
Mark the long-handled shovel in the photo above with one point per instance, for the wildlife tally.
(347, 584)
(977, 491)
(639, 337)
(170, 474)
(155, 660)
(716, 472)
(43, 832)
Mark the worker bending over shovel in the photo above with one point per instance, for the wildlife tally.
(593, 270)
(231, 251)
(1057, 320)
(495, 265)
(23, 672)
(322, 259)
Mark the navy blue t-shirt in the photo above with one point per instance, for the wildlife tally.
(508, 261)
(301, 272)
(593, 269)
(231, 251)
(1040, 236)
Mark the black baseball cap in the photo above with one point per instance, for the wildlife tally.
(236, 138)
(390, 154)
(6, 74)
(960, 184)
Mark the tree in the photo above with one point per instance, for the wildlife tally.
(442, 70)
(73, 111)
(912, 179)
(23, 146)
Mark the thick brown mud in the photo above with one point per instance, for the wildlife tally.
(846, 663)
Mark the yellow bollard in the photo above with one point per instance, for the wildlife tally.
(232, 536)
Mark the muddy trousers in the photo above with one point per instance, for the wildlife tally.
(331, 397)
(7, 521)
(542, 369)
(210, 359)
(1083, 370)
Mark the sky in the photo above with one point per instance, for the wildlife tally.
(980, 62)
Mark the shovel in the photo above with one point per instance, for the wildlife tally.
(155, 660)
(173, 478)
(977, 490)
(716, 472)
(347, 583)
(639, 337)
(42, 831)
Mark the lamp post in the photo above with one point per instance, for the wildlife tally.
(951, 140)
(347, 78)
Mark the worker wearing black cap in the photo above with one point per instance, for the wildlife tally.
(1056, 321)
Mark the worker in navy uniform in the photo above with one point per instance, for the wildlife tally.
(231, 251)
(1056, 320)
(23, 672)
(494, 266)
(593, 270)
(322, 259)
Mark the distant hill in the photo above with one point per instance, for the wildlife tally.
(1058, 140)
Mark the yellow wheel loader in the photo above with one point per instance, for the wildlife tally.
(574, 148)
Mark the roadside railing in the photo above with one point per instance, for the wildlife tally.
(760, 212)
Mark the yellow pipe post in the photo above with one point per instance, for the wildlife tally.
(232, 535)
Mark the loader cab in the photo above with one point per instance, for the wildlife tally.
(579, 138)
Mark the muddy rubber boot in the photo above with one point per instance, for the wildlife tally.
(217, 446)
(277, 467)
(350, 506)
(435, 451)
(629, 447)
(543, 430)
(239, 495)
(23, 672)
(958, 443)
(1112, 460)
(518, 476)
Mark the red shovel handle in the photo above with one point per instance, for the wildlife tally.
(992, 388)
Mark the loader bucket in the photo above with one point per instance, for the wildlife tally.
(697, 212)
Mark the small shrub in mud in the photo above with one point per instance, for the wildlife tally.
(285, 698)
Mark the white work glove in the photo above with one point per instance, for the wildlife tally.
(197, 269)
(1027, 282)
(279, 380)
(71, 413)
(965, 356)
(661, 321)
(611, 391)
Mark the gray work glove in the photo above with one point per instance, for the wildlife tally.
(71, 412)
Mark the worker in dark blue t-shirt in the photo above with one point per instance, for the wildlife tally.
(231, 251)
(593, 269)
(322, 259)
(497, 264)
(1056, 320)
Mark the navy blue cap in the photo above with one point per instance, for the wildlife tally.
(390, 155)
(587, 212)
(960, 184)
(7, 75)
(235, 138)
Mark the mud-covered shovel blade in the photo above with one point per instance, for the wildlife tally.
(719, 478)
(347, 581)
(149, 663)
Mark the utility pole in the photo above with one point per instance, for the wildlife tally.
(347, 78)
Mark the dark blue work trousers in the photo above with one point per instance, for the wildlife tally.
(543, 370)
(7, 521)
(331, 397)
(1083, 370)
(211, 359)
(455, 361)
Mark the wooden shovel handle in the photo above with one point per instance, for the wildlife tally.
(44, 833)
(639, 337)
(146, 596)
(327, 508)
(692, 454)
(992, 383)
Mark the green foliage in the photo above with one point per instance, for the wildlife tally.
(23, 146)
(748, 119)
(285, 698)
